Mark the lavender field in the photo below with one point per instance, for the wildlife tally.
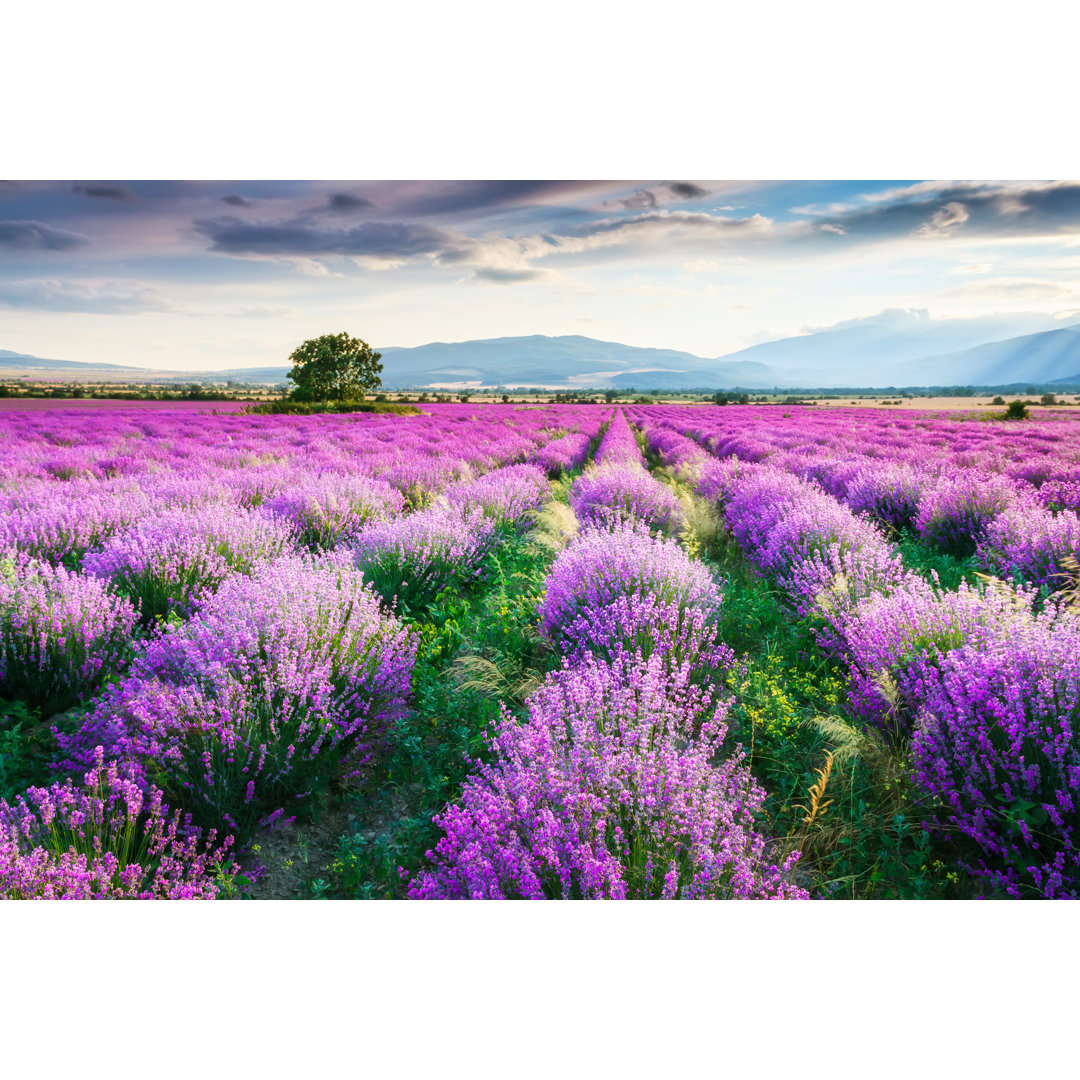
(563, 651)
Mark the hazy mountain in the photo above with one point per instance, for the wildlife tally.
(892, 349)
(884, 350)
(1035, 358)
(15, 361)
(570, 360)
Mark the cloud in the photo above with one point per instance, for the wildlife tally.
(508, 275)
(838, 229)
(944, 220)
(701, 266)
(448, 197)
(103, 191)
(970, 268)
(108, 299)
(640, 200)
(685, 190)
(938, 208)
(264, 311)
(342, 202)
(237, 200)
(37, 236)
(386, 239)
(1010, 289)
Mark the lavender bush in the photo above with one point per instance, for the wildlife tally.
(600, 794)
(111, 838)
(329, 509)
(998, 748)
(61, 633)
(282, 682)
(613, 494)
(629, 591)
(955, 513)
(175, 559)
(414, 557)
(1028, 544)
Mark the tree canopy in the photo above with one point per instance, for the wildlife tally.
(334, 367)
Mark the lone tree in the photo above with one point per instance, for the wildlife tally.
(334, 367)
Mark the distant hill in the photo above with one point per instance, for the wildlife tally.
(1035, 358)
(894, 349)
(569, 360)
(14, 361)
(905, 349)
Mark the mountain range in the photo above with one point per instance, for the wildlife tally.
(881, 352)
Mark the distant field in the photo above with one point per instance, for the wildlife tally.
(28, 404)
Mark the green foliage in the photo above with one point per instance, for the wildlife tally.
(789, 710)
(1017, 410)
(28, 746)
(925, 559)
(299, 408)
(477, 652)
(334, 367)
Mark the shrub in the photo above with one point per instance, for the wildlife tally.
(415, 557)
(600, 794)
(955, 512)
(893, 643)
(61, 633)
(614, 494)
(172, 561)
(508, 495)
(325, 510)
(998, 749)
(112, 838)
(282, 682)
(629, 591)
(888, 492)
(1030, 545)
(563, 455)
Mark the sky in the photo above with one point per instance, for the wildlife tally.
(212, 275)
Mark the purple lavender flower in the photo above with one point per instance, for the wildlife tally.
(955, 513)
(601, 794)
(613, 494)
(627, 590)
(508, 495)
(1029, 544)
(329, 509)
(997, 746)
(282, 681)
(61, 633)
(112, 838)
(177, 558)
(414, 557)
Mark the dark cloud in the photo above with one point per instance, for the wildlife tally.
(508, 275)
(36, 236)
(237, 200)
(963, 209)
(479, 195)
(640, 200)
(342, 202)
(685, 190)
(103, 191)
(384, 239)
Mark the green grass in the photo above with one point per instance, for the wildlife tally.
(478, 652)
(300, 408)
(924, 559)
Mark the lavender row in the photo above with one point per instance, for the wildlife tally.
(982, 688)
(612, 785)
(1004, 512)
